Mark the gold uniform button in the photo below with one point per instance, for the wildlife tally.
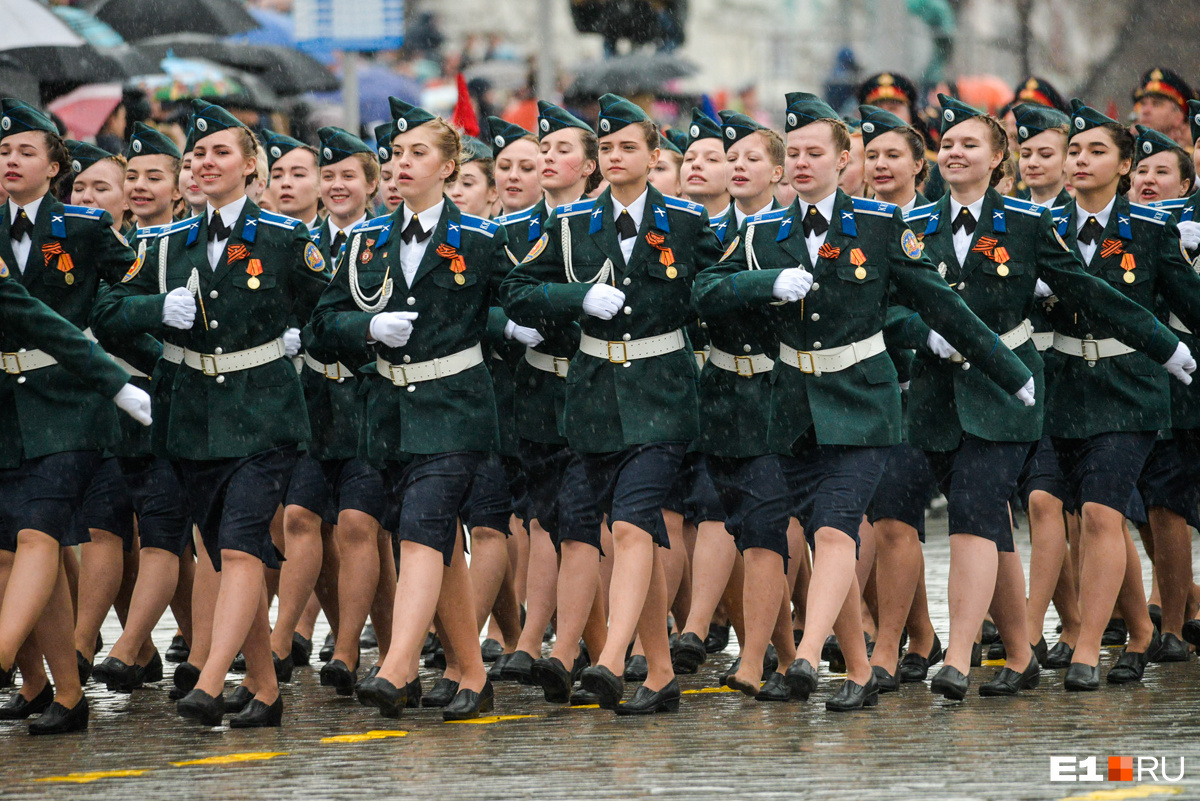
(1129, 278)
(253, 283)
(672, 272)
(458, 279)
(860, 273)
(1002, 270)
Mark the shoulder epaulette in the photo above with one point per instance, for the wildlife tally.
(515, 217)
(576, 208)
(920, 212)
(875, 207)
(1170, 205)
(1023, 206)
(479, 225)
(86, 212)
(152, 231)
(278, 220)
(1149, 214)
(182, 225)
(775, 215)
(679, 204)
(372, 225)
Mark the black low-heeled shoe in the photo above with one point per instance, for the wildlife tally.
(430, 645)
(1131, 665)
(185, 677)
(717, 639)
(950, 683)
(368, 639)
(491, 650)
(1115, 633)
(737, 663)
(57, 719)
(977, 655)
(851, 696)
(380, 693)
(990, 633)
(117, 676)
(582, 697)
(1191, 632)
(412, 693)
(886, 682)
(770, 661)
(1008, 681)
(496, 671)
(283, 667)
(1041, 651)
(441, 694)
(1170, 649)
(85, 667)
(1082, 678)
(801, 678)
(636, 668)
(774, 689)
(238, 665)
(337, 674)
(153, 670)
(258, 715)
(552, 676)
(327, 647)
(519, 668)
(6, 676)
(1155, 612)
(688, 654)
(301, 649)
(201, 707)
(650, 702)
(238, 699)
(468, 704)
(997, 651)
(18, 708)
(607, 686)
(1059, 656)
(179, 650)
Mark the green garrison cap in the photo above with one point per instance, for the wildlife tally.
(339, 145)
(616, 113)
(1150, 141)
(502, 133)
(84, 155)
(1033, 118)
(1194, 118)
(209, 118)
(804, 108)
(406, 115)
(279, 145)
(854, 124)
(147, 141)
(552, 118)
(18, 117)
(702, 126)
(1085, 118)
(473, 150)
(190, 144)
(383, 141)
(735, 127)
(876, 121)
(673, 140)
(955, 111)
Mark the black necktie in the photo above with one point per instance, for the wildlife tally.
(625, 226)
(1091, 231)
(21, 227)
(814, 223)
(414, 231)
(217, 229)
(964, 221)
(338, 241)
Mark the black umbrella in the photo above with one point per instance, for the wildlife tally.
(285, 70)
(629, 75)
(18, 83)
(141, 19)
(66, 65)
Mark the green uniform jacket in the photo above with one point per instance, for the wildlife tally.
(947, 399)
(1185, 399)
(847, 303)
(1130, 392)
(73, 249)
(249, 411)
(611, 406)
(456, 413)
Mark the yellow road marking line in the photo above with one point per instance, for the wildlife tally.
(362, 738)
(493, 719)
(993, 662)
(84, 778)
(584, 706)
(1144, 791)
(230, 759)
(706, 690)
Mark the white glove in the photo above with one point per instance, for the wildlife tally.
(1041, 290)
(792, 284)
(291, 342)
(1189, 234)
(1181, 364)
(526, 336)
(940, 347)
(603, 301)
(179, 309)
(392, 328)
(1026, 393)
(134, 402)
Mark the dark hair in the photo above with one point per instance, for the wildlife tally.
(1187, 169)
(591, 152)
(1126, 147)
(486, 165)
(916, 146)
(650, 131)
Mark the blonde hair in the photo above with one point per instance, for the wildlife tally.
(449, 144)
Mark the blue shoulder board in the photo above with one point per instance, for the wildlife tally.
(278, 220)
(515, 217)
(576, 208)
(371, 225)
(918, 213)
(1170, 205)
(679, 204)
(152, 231)
(479, 225)
(85, 212)
(1148, 214)
(1023, 206)
(182, 225)
(775, 215)
(875, 207)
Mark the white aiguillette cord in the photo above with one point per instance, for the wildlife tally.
(606, 274)
(369, 303)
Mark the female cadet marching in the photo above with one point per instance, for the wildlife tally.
(622, 266)
(235, 276)
(837, 257)
(416, 286)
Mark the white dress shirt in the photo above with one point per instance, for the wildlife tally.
(334, 231)
(636, 209)
(909, 206)
(229, 215)
(815, 241)
(22, 247)
(739, 217)
(412, 252)
(962, 239)
(1081, 218)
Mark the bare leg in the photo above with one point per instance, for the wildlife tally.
(1131, 600)
(100, 580)
(1173, 565)
(181, 601)
(711, 567)
(489, 562)
(577, 579)
(417, 591)
(542, 591)
(763, 592)
(298, 576)
(358, 549)
(651, 630)
(241, 599)
(1101, 573)
(53, 631)
(155, 586)
(973, 565)
(830, 600)
(633, 566)
(1048, 550)
(31, 585)
(385, 595)
(1008, 611)
(204, 602)
(899, 560)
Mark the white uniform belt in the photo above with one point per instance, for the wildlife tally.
(172, 353)
(832, 360)
(1090, 349)
(1178, 325)
(1012, 339)
(127, 367)
(24, 361)
(620, 352)
(745, 366)
(558, 365)
(333, 372)
(1043, 340)
(216, 364)
(404, 374)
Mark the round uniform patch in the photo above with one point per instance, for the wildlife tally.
(384, 153)
(134, 269)
(499, 140)
(544, 125)
(328, 154)
(694, 131)
(1079, 123)
(1023, 132)
(276, 152)
(76, 166)
(537, 248)
(605, 125)
(201, 124)
(1147, 148)
(868, 127)
(401, 125)
(313, 259)
(1059, 239)
(791, 119)
(729, 132)
(732, 247)
(949, 115)
(910, 244)
(5, 123)
(137, 146)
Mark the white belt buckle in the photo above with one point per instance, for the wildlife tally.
(748, 361)
(805, 361)
(208, 364)
(624, 357)
(562, 365)
(12, 363)
(398, 376)
(1095, 349)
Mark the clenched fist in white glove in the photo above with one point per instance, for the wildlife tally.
(291, 342)
(1026, 393)
(1041, 290)
(603, 301)
(392, 328)
(792, 284)
(1181, 364)
(1189, 234)
(134, 402)
(179, 309)
(940, 347)
(528, 337)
